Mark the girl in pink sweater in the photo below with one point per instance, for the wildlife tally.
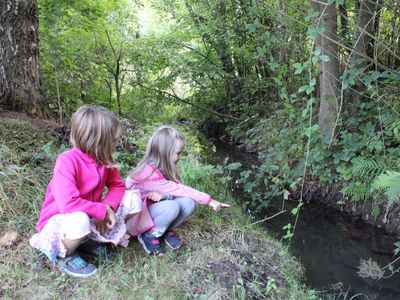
(76, 215)
(168, 201)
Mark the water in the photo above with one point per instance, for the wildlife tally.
(330, 244)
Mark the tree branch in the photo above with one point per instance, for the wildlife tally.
(190, 103)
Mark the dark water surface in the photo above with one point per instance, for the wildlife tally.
(329, 244)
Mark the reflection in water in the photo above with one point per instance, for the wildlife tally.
(330, 247)
(328, 243)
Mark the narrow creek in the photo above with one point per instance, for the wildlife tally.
(328, 243)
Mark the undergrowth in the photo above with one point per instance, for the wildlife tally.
(360, 164)
(224, 256)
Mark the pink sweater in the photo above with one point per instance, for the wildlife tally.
(150, 179)
(77, 185)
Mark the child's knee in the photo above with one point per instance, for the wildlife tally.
(188, 205)
(173, 210)
(76, 225)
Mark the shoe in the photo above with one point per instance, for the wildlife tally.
(76, 266)
(97, 250)
(172, 240)
(151, 245)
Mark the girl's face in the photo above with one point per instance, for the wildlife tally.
(176, 154)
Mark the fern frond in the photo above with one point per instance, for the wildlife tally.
(367, 169)
(390, 119)
(389, 182)
(357, 191)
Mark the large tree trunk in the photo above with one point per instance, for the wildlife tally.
(19, 56)
(328, 70)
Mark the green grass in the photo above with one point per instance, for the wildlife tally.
(223, 257)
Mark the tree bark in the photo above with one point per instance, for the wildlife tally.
(365, 24)
(19, 57)
(344, 29)
(329, 81)
(328, 70)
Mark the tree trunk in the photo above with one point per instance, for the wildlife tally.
(19, 57)
(328, 70)
(344, 29)
(365, 26)
(329, 81)
(222, 49)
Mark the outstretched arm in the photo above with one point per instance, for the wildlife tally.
(176, 189)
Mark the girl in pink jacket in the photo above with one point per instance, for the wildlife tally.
(75, 215)
(167, 202)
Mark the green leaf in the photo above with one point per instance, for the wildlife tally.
(234, 166)
(298, 71)
(309, 90)
(251, 28)
(303, 88)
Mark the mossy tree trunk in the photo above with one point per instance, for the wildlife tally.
(19, 57)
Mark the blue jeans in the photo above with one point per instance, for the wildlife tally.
(169, 214)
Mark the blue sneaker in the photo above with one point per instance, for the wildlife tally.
(172, 240)
(96, 249)
(76, 266)
(151, 245)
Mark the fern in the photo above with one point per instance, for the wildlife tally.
(392, 121)
(357, 191)
(389, 182)
(367, 169)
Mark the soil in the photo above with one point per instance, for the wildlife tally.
(41, 123)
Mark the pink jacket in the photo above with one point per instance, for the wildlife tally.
(77, 185)
(150, 180)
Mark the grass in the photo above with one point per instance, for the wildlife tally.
(223, 257)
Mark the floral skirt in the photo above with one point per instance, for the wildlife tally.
(50, 239)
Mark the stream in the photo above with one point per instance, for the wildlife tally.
(328, 243)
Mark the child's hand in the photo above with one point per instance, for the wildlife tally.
(216, 205)
(111, 218)
(100, 225)
(155, 196)
(109, 221)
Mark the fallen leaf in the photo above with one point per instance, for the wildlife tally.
(8, 238)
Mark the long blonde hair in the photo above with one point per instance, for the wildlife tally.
(94, 130)
(159, 151)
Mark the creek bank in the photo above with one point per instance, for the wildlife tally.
(388, 219)
(329, 195)
(329, 242)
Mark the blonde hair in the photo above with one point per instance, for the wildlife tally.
(159, 151)
(94, 131)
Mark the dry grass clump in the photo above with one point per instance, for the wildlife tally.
(236, 262)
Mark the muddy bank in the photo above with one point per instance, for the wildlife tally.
(388, 219)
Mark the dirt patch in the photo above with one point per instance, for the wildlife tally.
(226, 271)
(41, 123)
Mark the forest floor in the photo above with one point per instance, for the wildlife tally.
(224, 255)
